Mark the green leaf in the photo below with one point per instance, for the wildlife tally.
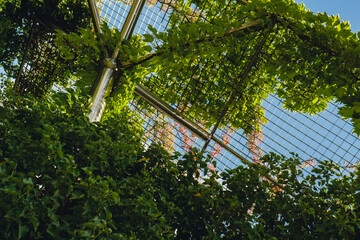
(148, 38)
(28, 181)
(85, 234)
(340, 92)
(115, 197)
(152, 29)
(315, 100)
(147, 48)
(356, 107)
(346, 112)
(77, 195)
(23, 229)
(356, 124)
(90, 225)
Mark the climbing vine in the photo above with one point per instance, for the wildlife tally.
(307, 60)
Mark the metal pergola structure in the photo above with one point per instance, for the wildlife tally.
(153, 100)
(325, 136)
(313, 138)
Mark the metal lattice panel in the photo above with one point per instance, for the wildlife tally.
(325, 136)
(40, 62)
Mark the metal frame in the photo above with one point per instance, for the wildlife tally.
(239, 84)
(104, 79)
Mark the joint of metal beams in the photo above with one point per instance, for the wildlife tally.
(109, 65)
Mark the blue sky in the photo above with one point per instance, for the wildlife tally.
(347, 9)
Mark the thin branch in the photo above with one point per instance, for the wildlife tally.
(231, 32)
(243, 2)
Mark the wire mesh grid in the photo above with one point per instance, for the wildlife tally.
(313, 138)
(155, 14)
(41, 64)
(322, 137)
(174, 137)
(161, 129)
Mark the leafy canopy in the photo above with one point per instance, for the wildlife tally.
(63, 177)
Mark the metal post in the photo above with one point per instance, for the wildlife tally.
(135, 10)
(95, 16)
(105, 77)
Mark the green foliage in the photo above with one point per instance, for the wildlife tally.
(63, 177)
(57, 167)
(89, 53)
(26, 26)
